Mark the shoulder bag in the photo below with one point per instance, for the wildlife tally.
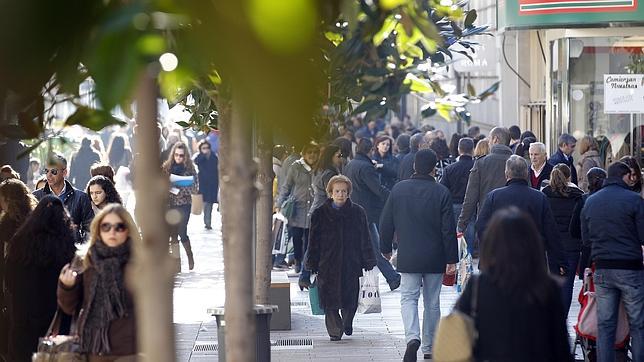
(456, 334)
(57, 348)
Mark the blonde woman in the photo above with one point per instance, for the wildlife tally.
(106, 325)
(589, 151)
(482, 148)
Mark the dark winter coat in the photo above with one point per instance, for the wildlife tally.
(122, 331)
(406, 168)
(508, 328)
(299, 184)
(612, 222)
(367, 190)
(79, 206)
(544, 175)
(487, 174)
(339, 248)
(208, 176)
(389, 171)
(420, 212)
(32, 304)
(455, 177)
(575, 231)
(534, 203)
(562, 207)
(80, 165)
(8, 228)
(558, 158)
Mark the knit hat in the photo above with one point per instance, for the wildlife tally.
(425, 161)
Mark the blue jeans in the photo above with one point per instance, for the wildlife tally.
(469, 231)
(410, 286)
(572, 260)
(611, 285)
(383, 264)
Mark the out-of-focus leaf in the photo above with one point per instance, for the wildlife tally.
(334, 38)
(428, 112)
(183, 124)
(387, 27)
(444, 111)
(93, 119)
(151, 44)
(175, 85)
(392, 4)
(28, 150)
(366, 106)
(284, 27)
(470, 18)
(417, 85)
(491, 90)
(470, 90)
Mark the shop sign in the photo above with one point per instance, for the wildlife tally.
(532, 14)
(624, 93)
(484, 59)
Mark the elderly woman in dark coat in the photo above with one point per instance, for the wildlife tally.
(339, 248)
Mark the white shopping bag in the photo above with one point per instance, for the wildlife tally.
(369, 296)
(280, 234)
(465, 265)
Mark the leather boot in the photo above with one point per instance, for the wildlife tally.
(191, 259)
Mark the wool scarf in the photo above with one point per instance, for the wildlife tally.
(107, 297)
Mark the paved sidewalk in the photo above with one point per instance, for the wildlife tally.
(376, 337)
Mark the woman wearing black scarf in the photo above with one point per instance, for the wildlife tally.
(179, 163)
(106, 325)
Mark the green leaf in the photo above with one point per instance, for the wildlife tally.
(93, 119)
(151, 45)
(175, 85)
(428, 112)
(392, 4)
(183, 124)
(444, 111)
(335, 38)
(470, 18)
(416, 84)
(366, 106)
(387, 27)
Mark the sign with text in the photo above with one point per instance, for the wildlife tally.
(623, 93)
(544, 14)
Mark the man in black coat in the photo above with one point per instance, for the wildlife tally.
(406, 168)
(208, 164)
(371, 195)
(82, 161)
(566, 145)
(420, 212)
(455, 178)
(612, 223)
(518, 193)
(77, 202)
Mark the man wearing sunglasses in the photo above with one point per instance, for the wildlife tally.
(77, 202)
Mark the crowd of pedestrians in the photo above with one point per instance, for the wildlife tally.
(66, 239)
(527, 215)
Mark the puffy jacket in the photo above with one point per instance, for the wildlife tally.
(612, 223)
(562, 207)
(487, 174)
(79, 206)
(367, 190)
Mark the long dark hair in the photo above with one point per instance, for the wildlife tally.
(111, 195)
(632, 163)
(116, 150)
(513, 257)
(46, 238)
(326, 159)
(167, 165)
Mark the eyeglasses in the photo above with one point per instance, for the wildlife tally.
(53, 171)
(180, 155)
(120, 227)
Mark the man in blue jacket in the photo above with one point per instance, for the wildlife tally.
(612, 223)
(566, 145)
(519, 193)
(420, 212)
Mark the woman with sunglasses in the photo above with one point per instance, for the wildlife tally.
(102, 192)
(106, 326)
(42, 245)
(181, 191)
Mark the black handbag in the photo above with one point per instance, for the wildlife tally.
(59, 348)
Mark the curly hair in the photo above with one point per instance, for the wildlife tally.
(20, 202)
(167, 165)
(46, 238)
(111, 195)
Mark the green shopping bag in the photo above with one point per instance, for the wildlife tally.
(314, 299)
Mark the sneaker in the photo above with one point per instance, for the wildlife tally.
(412, 349)
(394, 285)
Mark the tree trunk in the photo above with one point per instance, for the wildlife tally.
(150, 274)
(264, 212)
(238, 196)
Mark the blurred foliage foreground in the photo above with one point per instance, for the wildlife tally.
(297, 64)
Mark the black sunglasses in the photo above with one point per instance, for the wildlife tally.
(54, 171)
(120, 227)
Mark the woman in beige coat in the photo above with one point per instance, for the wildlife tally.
(589, 150)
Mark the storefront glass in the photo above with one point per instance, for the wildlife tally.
(577, 73)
